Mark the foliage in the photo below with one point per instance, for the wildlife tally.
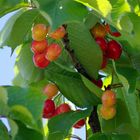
(22, 103)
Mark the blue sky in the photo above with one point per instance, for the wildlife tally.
(6, 60)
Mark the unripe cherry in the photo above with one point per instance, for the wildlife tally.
(39, 32)
(39, 46)
(58, 34)
(107, 113)
(53, 52)
(50, 90)
(108, 98)
(40, 60)
(98, 31)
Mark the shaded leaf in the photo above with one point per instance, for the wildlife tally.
(102, 136)
(27, 97)
(85, 49)
(25, 133)
(60, 125)
(7, 6)
(26, 67)
(72, 87)
(3, 132)
(64, 10)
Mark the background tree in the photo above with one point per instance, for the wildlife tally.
(84, 51)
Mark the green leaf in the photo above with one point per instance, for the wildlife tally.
(21, 28)
(60, 125)
(102, 7)
(7, 6)
(132, 102)
(125, 68)
(14, 128)
(72, 87)
(102, 136)
(3, 95)
(91, 20)
(128, 129)
(22, 114)
(26, 67)
(85, 49)
(3, 132)
(27, 97)
(25, 133)
(63, 11)
(4, 109)
(5, 32)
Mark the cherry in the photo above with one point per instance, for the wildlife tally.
(98, 31)
(108, 98)
(40, 60)
(102, 43)
(39, 32)
(39, 46)
(53, 52)
(116, 34)
(50, 90)
(99, 82)
(58, 34)
(107, 113)
(63, 108)
(79, 124)
(107, 27)
(49, 109)
(114, 50)
(104, 62)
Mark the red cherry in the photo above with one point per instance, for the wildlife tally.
(53, 52)
(40, 60)
(102, 43)
(49, 109)
(39, 46)
(63, 108)
(79, 124)
(116, 34)
(114, 50)
(107, 27)
(104, 62)
(99, 82)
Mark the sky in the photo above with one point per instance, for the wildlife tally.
(6, 60)
(7, 71)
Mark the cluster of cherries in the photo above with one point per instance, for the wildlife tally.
(44, 53)
(49, 111)
(108, 110)
(111, 49)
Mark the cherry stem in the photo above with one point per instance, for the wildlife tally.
(119, 85)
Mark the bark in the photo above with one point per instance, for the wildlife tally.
(93, 119)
